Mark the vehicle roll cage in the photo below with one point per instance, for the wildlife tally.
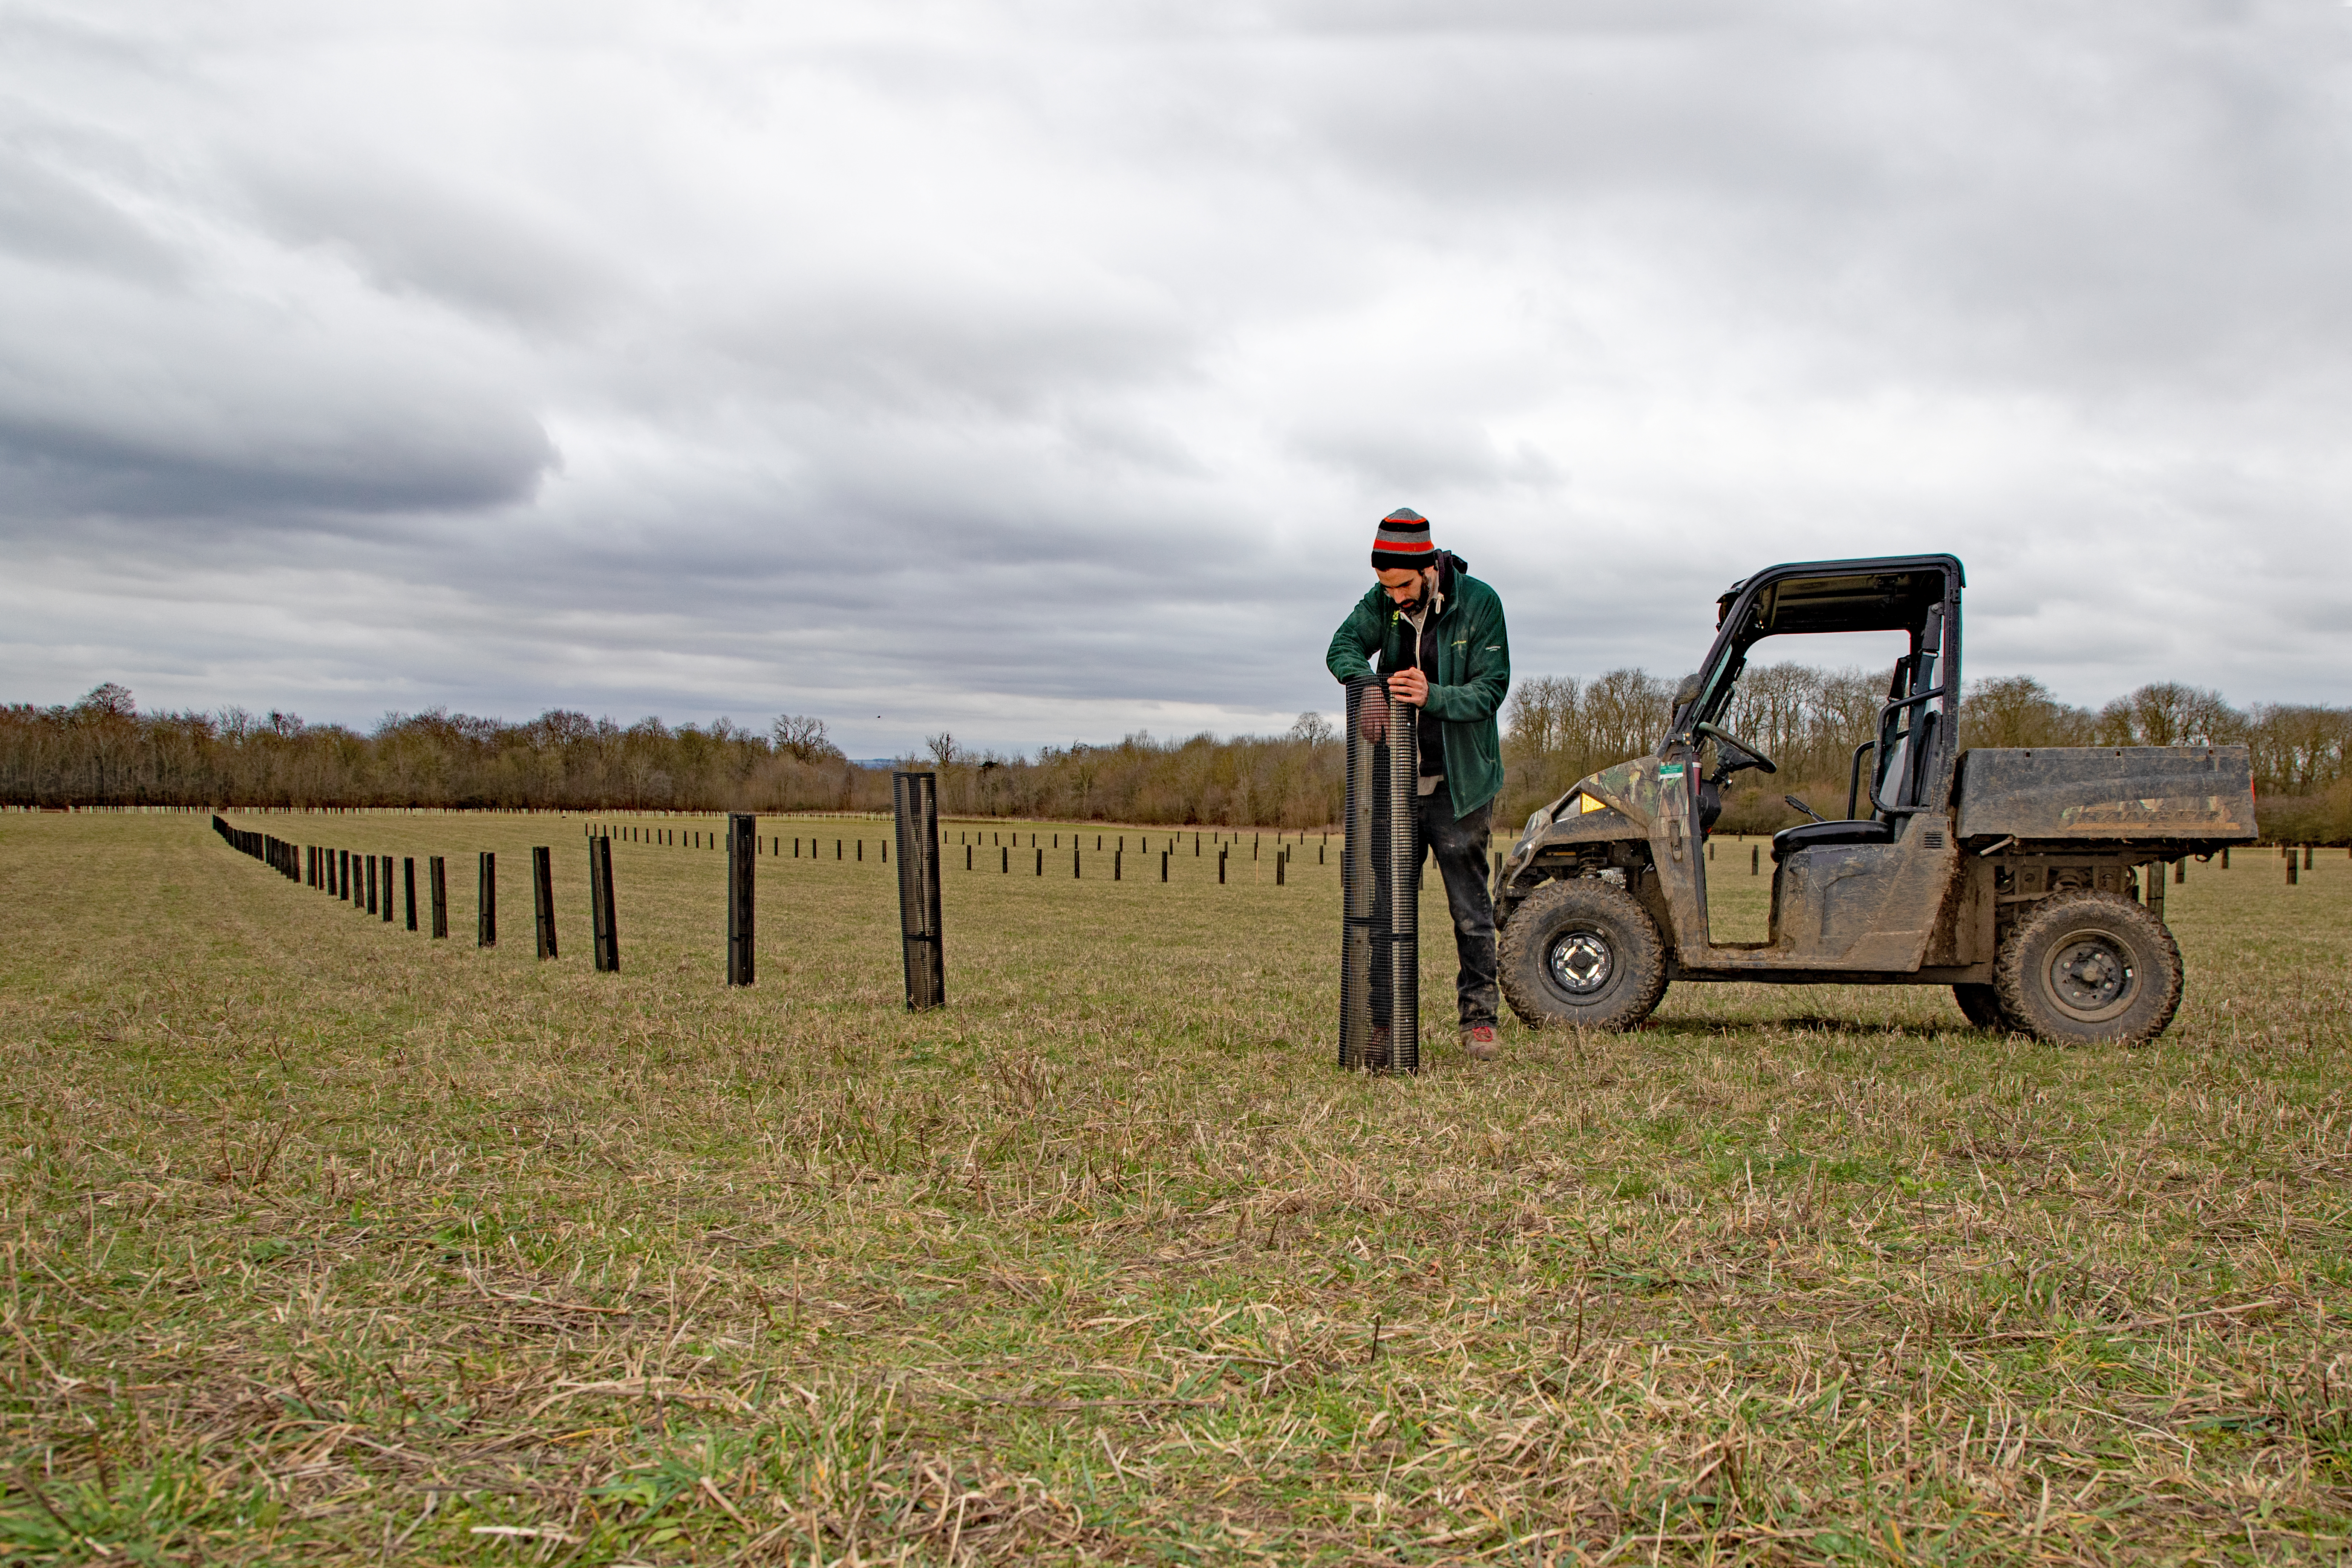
(1919, 595)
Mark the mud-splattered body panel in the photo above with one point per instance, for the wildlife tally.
(2137, 795)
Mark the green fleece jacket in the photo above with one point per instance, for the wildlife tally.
(1466, 688)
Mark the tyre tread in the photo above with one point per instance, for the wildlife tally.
(1530, 928)
(2017, 997)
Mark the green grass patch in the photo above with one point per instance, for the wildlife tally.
(325, 1242)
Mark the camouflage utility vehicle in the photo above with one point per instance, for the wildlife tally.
(2012, 875)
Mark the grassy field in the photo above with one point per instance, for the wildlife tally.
(325, 1242)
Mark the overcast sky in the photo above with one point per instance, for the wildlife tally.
(1039, 372)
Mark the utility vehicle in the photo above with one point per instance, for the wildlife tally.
(2012, 875)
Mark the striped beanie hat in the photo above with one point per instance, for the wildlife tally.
(1402, 543)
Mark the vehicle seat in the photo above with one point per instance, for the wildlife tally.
(1901, 776)
(1818, 834)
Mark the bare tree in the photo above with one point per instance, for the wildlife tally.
(1312, 727)
(2019, 711)
(2168, 713)
(108, 701)
(2301, 749)
(802, 736)
(1626, 712)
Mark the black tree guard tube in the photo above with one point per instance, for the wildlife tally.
(605, 931)
(542, 897)
(1379, 878)
(915, 802)
(742, 858)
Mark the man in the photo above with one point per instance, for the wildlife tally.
(1439, 633)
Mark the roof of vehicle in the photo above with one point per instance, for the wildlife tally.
(1885, 592)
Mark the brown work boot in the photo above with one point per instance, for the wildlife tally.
(1478, 1039)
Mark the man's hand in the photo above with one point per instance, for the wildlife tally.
(1407, 686)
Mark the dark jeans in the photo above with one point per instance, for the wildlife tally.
(1460, 846)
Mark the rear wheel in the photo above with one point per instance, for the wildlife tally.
(1584, 954)
(1982, 1006)
(2089, 967)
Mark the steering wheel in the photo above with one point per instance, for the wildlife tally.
(1743, 754)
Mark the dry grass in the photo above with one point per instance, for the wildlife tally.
(325, 1242)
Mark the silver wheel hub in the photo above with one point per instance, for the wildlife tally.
(1582, 962)
(2091, 975)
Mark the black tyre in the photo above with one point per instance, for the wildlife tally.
(2088, 967)
(1584, 954)
(1982, 1006)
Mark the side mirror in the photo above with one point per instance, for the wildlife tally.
(1931, 636)
(1687, 692)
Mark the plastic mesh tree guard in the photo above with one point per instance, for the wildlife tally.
(1380, 877)
(915, 802)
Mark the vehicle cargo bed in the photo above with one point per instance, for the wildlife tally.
(2146, 794)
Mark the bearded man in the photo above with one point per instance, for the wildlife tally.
(1439, 634)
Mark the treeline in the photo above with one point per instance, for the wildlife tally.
(1294, 780)
(104, 750)
(1559, 728)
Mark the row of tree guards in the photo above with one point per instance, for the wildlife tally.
(1381, 856)
(366, 882)
(1379, 878)
(855, 848)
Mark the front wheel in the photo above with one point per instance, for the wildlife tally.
(1584, 954)
(2089, 968)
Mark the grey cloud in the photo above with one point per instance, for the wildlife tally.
(1396, 451)
(201, 404)
(46, 217)
(426, 235)
(997, 365)
(2098, 194)
(369, 461)
(999, 354)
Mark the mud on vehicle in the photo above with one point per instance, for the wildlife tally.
(2012, 875)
